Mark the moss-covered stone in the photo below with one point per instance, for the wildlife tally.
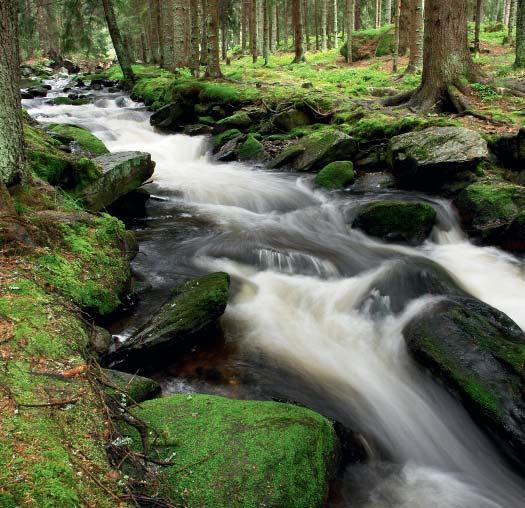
(238, 453)
(82, 138)
(480, 354)
(291, 119)
(239, 120)
(66, 101)
(135, 388)
(192, 309)
(224, 137)
(397, 221)
(336, 175)
(371, 43)
(494, 210)
(252, 149)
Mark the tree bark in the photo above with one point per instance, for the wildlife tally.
(397, 7)
(120, 49)
(520, 35)
(336, 27)
(324, 22)
(12, 159)
(168, 34)
(415, 42)
(512, 18)
(253, 31)
(266, 30)
(298, 31)
(213, 66)
(388, 12)
(479, 15)
(306, 21)
(378, 13)
(506, 10)
(195, 38)
(349, 28)
(244, 25)
(358, 23)
(447, 62)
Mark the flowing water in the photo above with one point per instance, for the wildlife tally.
(307, 322)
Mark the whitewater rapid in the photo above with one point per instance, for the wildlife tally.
(306, 304)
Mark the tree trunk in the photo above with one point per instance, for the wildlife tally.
(277, 25)
(446, 58)
(336, 26)
(306, 21)
(388, 12)
(512, 18)
(158, 27)
(506, 13)
(405, 25)
(298, 31)
(479, 15)
(397, 7)
(244, 26)
(195, 38)
(253, 32)
(168, 33)
(12, 159)
(349, 16)
(204, 32)
(358, 23)
(378, 13)
(213, 67)
(316, 24)
(520, 35)
(121, 51)
(324, 22)
(266, 30)
(415, 35)
(274, 26)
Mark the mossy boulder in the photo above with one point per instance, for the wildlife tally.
(224, 137)
(336, 175)
(252, 149)
(173, 116)
(371, 43)
(135, 388)
(122, 173)
(397, 221)
(494, 211)
(479, 353)
(81, 139)
(321, 148)
(239, 453)
(189, 314)
(66, 101)
(240, 120)
(291, 119)
(429, 158)
(287, 156)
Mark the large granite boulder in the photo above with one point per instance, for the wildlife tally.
(189, 314)
(238, 453)
(121, 173)
(479, 353)
(397, 221)
(429, 158)
(494, 211)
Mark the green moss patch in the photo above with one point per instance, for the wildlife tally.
(336, 175)
(86, 141)
(66, 101)
(247, 454)
(252, 149)
(224, 137)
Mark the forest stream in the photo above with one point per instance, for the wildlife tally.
(310, 321)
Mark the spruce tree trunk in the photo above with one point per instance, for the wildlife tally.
(244, 26)
(213, 66)
(204, 31)
(479, 15)
(274, 26)
(520, 35)
(388, 12)
(405, 25)
(378, 13)
(195, 38)
(168, 33)
(447, 62)
(253, 32)
(336, 27)
(397, 7)
(512, 18)
(277, 25)
(306, 21)
(349, 17)
(158, 27)
(506, 13)
(316, 21)
(120, 49)
(12, 159)
(266, 30)
(298, 31)
(180, 43)
(415, 35)
(358, 23)
(324, 22)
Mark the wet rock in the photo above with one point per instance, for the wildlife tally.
(26, 95)
(121, 173)
(260, 453)
(336, 175)
(197, 129)
(103, 82)
(429, 158)
(287, 156)
(479, 354)
(71, 67)
(223, 138)
(323, 147)
(37, 91)
(113, 89)
(510, 149)
(100, 340)
(407, 222)
(172, 116)
(291, 119)
(189, 314)
(229, 152)
(137, 389)
(66, 101)
(130, 206)
(494, 211)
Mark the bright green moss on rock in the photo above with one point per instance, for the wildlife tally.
(397, 221)
(239, 120)
(224, 137)
(218, 93)
(134, 388)
(192, 308)
(336, 175)
(252, 149)
(86, 141)
(240, 454)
